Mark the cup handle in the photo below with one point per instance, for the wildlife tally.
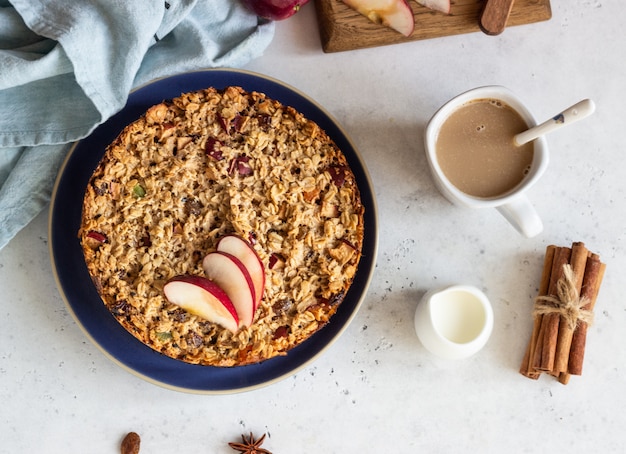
(522, 215)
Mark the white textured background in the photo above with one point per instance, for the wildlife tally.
(376, 389)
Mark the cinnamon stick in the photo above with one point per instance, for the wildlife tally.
(545, 353)
(571, 277)
(526, 369)
(594, 273)
(578, 262)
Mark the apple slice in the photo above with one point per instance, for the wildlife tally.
(437, 5)
(204, 298)
(395, 14)
(231, 275)
(240, 248)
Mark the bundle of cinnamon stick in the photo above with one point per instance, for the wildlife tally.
(563, 311)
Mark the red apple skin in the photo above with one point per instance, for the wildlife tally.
(275, 9)
(231, 275)
(244, 251)
(204, 298)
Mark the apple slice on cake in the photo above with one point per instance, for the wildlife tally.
(228, 272)
(204, 298)
(241, 249)
(234, 284)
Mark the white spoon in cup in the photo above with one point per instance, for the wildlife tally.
(571, 115)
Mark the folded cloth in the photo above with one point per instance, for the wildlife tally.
(66, 67)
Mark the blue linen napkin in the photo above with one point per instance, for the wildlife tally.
(66, 67)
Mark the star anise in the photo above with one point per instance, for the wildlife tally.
(250, 445)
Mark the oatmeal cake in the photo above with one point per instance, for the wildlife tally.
(205, 165)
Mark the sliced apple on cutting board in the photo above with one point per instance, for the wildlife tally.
(229, 273)
(244, 251)
(395, 14)
(204, 298)
(436, 5)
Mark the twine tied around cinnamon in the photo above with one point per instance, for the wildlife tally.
(567, 303)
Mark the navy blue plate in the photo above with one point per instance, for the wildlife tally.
(85, 304)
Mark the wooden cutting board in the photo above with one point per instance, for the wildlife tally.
(342, 28)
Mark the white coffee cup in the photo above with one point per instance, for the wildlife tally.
(454, 322)
(514, 205)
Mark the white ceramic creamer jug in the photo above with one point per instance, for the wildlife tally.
(454, 322)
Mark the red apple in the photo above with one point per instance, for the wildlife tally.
(231, 275)
(240, 248)
(204, 298)
(275, 9)
(395, 14)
